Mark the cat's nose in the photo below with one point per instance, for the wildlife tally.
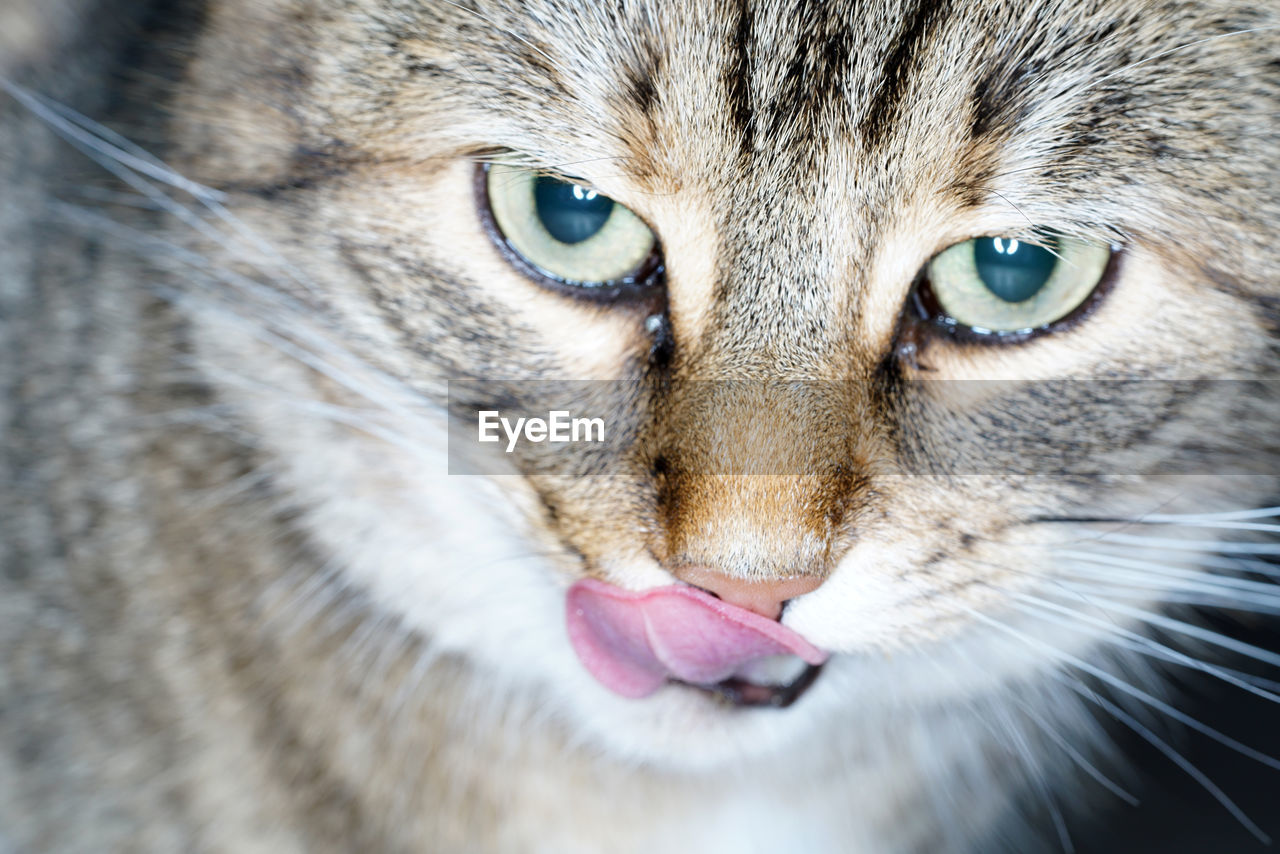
(764, 597)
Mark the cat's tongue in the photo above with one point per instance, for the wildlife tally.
(633, 642)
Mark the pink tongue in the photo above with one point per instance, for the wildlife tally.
(633, 642)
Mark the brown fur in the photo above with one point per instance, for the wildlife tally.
(211, 630)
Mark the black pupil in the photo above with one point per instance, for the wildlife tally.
(570, 213)
(1012, 270)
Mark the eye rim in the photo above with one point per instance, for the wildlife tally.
(929, 312)
(646, 282)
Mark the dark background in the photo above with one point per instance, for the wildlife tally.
(1176, 814)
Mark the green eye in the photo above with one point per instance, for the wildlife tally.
(568, 234)
(1000, 284)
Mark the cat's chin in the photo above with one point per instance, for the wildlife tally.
(750, 692)
(692, 728)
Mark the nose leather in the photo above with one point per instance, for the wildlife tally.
(761, 597)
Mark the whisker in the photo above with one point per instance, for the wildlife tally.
(1075, 755)
(1224, 524)
(123, 159)
(1238, 566)
(1135, 642)
(1137, 693)
(1229, 516)
(1174, 544)
(427, 656)
(1184, 565)
(1173, 755)
(322, 409)
(1035, 773)
(1082, 560)
(1217, 602)
(292, 599)
(76, 132)
(1191, 630)
(298, 326)
(1128, 720)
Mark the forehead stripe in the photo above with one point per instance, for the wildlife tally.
(919, 25)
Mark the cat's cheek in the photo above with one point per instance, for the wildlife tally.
(905, 637)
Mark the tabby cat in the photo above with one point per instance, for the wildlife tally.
(930, 347)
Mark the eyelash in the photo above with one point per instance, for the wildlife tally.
(927, 314)
(529, 232)
(645, 285)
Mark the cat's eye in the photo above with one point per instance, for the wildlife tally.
(568, 235)
(1001, 285)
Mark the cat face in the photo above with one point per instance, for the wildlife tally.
(797, 179)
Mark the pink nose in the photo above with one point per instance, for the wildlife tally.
(763, 597)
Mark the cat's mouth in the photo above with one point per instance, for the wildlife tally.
(635, 642)
(742, 693)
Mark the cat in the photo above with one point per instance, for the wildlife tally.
(929, 340)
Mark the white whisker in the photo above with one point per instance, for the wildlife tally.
(1173, 755)
(1009, 728)
(77, 132)
(1235, 565)
(1225, 524)
(1165, 580)
(128, 162)
(1137, 693)
(1134, 641)
(1075, 755)
(1149, 571)
(1145, 594)
(504, 31)
(1229, 516)
(1199, 633)
(298, 328)
(1174, 544)
(1128, 720)
(1079, 91)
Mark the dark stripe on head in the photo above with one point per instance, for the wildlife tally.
(818, 67)
(641, 82)
(999, 97)
(639, 101)
(918, 26)
(738, 73)
(1002, 94)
